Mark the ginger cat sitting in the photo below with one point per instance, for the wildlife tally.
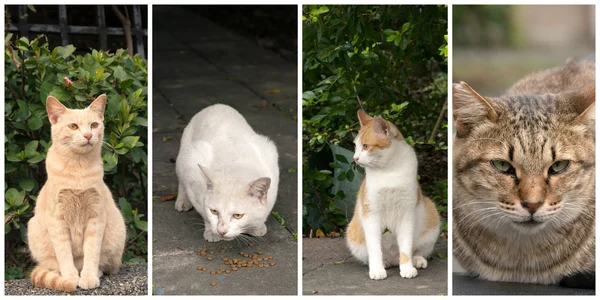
(77, 233)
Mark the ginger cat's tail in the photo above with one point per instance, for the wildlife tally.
(42, 277)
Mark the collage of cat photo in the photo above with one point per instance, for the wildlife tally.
(298, 149)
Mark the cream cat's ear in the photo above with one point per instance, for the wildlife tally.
(469, 108)
(55, 109)
(259, 187)
(363, 117)
(99, 105)
(585, 103)
(206, 175)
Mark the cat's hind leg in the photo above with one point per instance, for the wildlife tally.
(183, 201)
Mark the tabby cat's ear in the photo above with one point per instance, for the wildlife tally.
(363, 117)
(98, 105)
(204, 172)
(584, 103)
(469, 108)
(55, 109)
(259, 187)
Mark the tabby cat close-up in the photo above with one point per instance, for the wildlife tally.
(523, 189)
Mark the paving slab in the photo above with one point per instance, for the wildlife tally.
(328, 268)
(465, 285)
(200, 78)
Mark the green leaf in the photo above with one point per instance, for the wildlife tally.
(317, 118)
(31, 148)
(141, 225)
(126, 209)
(65, 51)
(130, 141)
(110, 161)
(320, 10)
(13, 156)
(405, 27)
(36, 158)
(45, 90)
(341, 158)
(35, 122)
(350, 175)
(27, 184)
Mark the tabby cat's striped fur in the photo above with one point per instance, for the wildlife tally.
(516, 215)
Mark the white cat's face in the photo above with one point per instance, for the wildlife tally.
(233, 208)
(79, 130)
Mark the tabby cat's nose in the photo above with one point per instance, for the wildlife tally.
(531, 206)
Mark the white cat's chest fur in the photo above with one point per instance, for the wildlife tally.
(392, 194)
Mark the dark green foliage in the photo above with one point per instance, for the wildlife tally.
(32, 72)
(391, 59)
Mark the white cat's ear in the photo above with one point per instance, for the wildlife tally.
(584, 103)
(469, 108)
(206, 175)
(259, 187)
(55, 109)
(363, 117)
(99, 105)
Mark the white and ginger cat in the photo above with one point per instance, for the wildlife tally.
(393, 223)
(77, 232)
(228, 173)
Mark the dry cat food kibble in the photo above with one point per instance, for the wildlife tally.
(258, 259)
(213, 283)
(209, 258)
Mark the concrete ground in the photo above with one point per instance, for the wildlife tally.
(130, 280)
(463, 285)
(328, 268)
(196, 63)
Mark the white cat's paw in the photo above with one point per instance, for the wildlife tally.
(419, 262)
(378, 274)
(183, 205)
(211, 237)
(89, 282)
(259, 230)
(408, 272)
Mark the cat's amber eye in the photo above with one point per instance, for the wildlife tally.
(94, 125)
(559, 167)
(238, 216)
(365, 146)
(73, 126)
(503, 166)
(214, 212)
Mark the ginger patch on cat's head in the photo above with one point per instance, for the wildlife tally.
(376, 132)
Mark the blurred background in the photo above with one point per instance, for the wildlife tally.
(494, 46)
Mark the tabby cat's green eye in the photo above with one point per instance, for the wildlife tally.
(502, 166)
(559, 167)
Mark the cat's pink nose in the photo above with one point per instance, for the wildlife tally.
(222, 233)
(87, 136)
(356, 158)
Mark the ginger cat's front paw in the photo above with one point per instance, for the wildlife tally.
(89, 282)
(259, 230)
(408, 272)
(210, 236)
(74, 279)
(378, 274)
(419, 262)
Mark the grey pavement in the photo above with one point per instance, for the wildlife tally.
(196, 63)
(328, 268)
(132, 279)
(464, 285)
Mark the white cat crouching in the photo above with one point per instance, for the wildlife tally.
(228, 173)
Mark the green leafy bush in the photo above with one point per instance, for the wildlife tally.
(389, 60)
(32, 72)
